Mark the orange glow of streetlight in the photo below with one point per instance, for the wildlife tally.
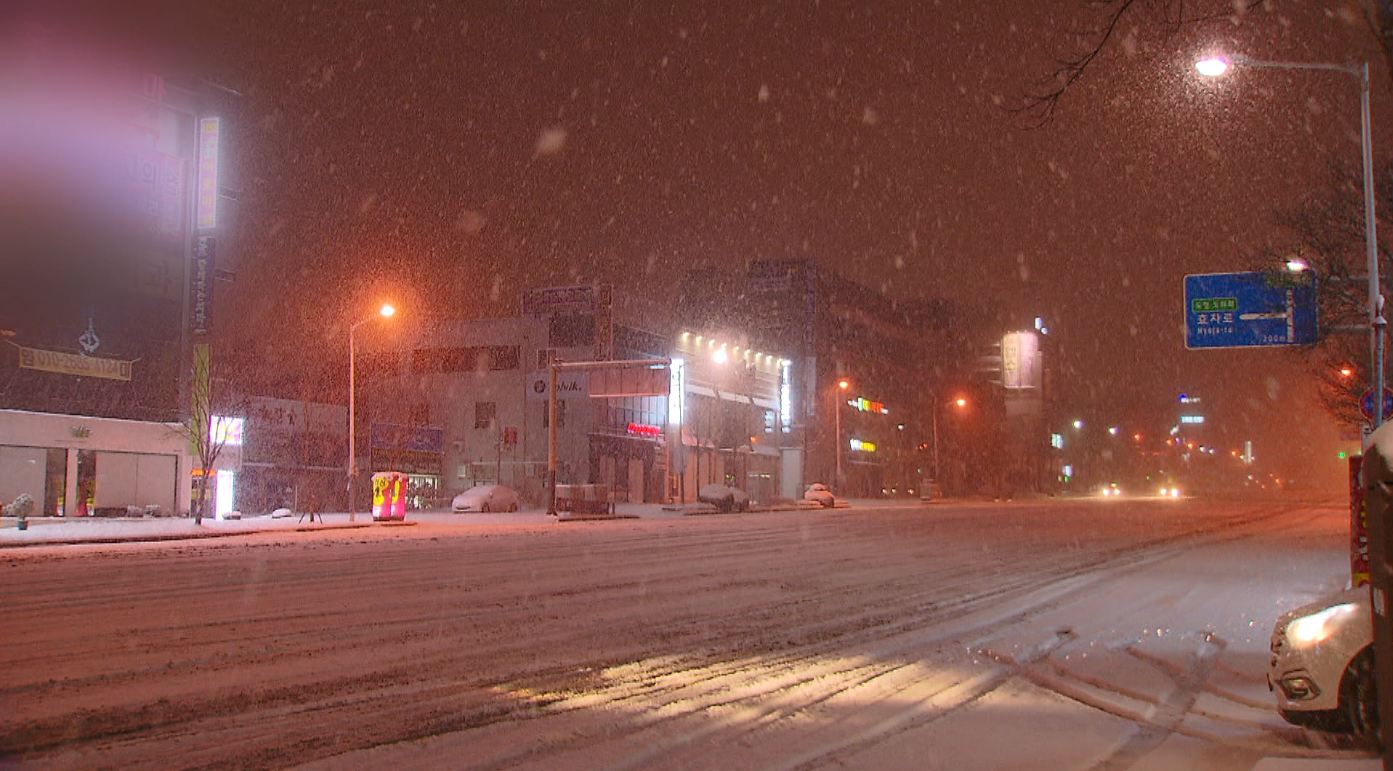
(1346, 371)
(960, 402)
(387, 311)
(843, 384)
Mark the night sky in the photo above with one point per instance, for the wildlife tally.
(448, 154)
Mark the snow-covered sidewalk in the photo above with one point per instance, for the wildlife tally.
(51, 531)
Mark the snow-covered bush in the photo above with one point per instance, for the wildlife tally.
(22, 507)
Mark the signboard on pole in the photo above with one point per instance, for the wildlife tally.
(1241, 310)
(1358, 527)
(628, 381)
(550, 300)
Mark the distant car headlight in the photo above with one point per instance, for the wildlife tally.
(1175, 492)
(1317, 627)
(1165, 491)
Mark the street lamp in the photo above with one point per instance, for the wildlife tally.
(842, 385)
(385, 312)
(1216, 66)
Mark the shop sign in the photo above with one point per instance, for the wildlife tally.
(569, 385)
(644, 430)
(74, 364)
(391, 436)
(863, 404)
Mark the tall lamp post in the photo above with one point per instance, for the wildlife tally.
(1382, 582)
(842, 385)
(1217, 66)
(960, 403)
(385, 312)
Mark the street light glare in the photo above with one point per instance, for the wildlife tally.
(388, 311)
(1212, 67)
(1297, 265)
(961, 402)
(720, 356)
(843, 384)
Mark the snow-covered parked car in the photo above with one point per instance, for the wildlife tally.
(1322, 666)
(724, 497)
(818, 493)
(486, 498)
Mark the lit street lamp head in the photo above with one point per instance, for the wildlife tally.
(1212, 67)
(387, 311)
(960, 402)
(843, 384)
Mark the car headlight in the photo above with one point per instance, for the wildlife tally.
(1317, 627)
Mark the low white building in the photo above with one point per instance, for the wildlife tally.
(73, 465)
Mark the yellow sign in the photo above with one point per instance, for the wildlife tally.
(73, 364)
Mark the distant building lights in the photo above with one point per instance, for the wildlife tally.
(858, 445)
(863, 404)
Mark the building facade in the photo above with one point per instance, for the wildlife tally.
(480, 387)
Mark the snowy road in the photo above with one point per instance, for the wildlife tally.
(1090, 635)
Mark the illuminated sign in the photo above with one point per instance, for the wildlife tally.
(1020, 361)
(1191, 419)
(786, 395)
(1057, 441)
(209, 131)
(860, 446)
(644, 430)
(676, 391)
(866, 405)
(226, 431)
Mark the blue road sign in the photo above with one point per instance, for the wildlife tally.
(1366, 404)
(1239, 310)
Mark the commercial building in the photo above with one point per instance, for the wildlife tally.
(869, 368)
(471, 397)
(111, 224)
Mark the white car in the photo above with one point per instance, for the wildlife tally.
(486, 498)
(819, 493)
(1322, 666)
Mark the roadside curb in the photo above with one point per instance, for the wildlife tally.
(593, 517)
(160, 538)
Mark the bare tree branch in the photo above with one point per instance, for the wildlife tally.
(1038, 106)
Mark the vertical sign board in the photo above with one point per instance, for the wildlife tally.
(1241, 310)
(1358, 527)
(201, 285)
(206, 207)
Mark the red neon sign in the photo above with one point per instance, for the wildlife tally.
(644, 430)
